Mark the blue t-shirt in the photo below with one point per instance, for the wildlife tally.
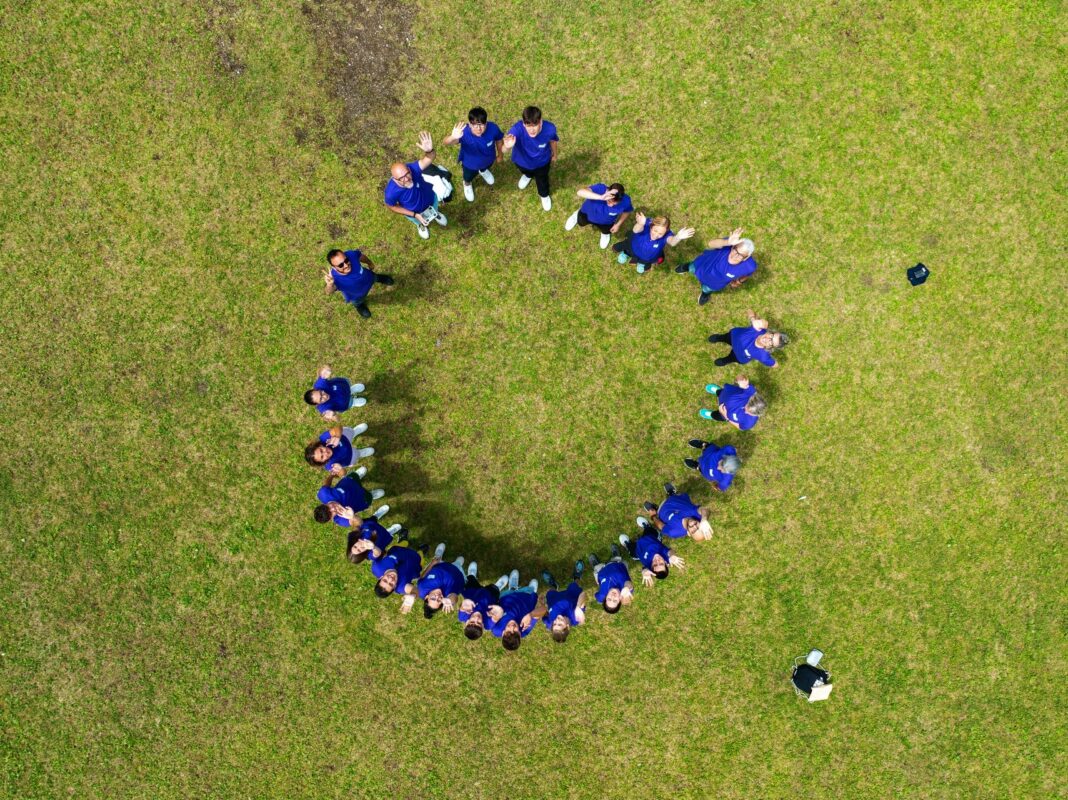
(342, 453)
(418, 197)
(599, 212)
(734, 398)
(648, 546)
(349, 492)
(340, 394)
(516, 606)
(708, 465)
(376, 532)
(613, 575)
(483, 597)
(531, 152)
(646, 249)
(445, 576)
(403, 559)
(743, 343)
(715, 272)
(354, 286)
(673, 511)
(562, 604)
(479, 152)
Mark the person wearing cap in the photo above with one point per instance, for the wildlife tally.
(647, 242)
(655, 557)
(480, 148)
(332, 396)
(333, 450)
(516, 614)
(754, 342)
(410, 194)
(351, 273)
(716, 464)
(739, 404)
(726, 262)
(604, 207)
(474, 608)
(614, 587)
(534, 144)
(564, 608)
(678, 516)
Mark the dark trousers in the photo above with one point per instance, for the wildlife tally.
(469, 174)
(583, 220)
(541, 178)
(624, 247)
(472, 585)
(718, 417)
(730, 358)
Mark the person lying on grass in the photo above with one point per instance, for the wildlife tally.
(398, 571)
(341, 502)
(614, 587)
(370, 539)
(333, 450)
(564, 608)
(655, 557)
(331, 396)
(442, 584)
(515, 615)
(474, 608)
(679, 516)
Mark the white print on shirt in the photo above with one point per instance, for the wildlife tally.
(541, 147)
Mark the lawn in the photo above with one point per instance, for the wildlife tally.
(174, 623)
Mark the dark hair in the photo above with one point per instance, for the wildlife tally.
(618, 189)
(477, 114)
(511, 640)
(355, 558)
(611, 610)
(531, 115)
(428, 612)
(309, 453)
(322, 513)
(380, 592)
(332, 253)
(472, 630)
(561, 636)
(308, 397)
(662, 573)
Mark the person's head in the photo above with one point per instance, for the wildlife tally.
(402, 176)
(360, 550)
(432, 603)
(756, 406)
(613, 601)
(745, 248)
(314, 397)
(659, 566)
(476, 119)
(323, 513)
(473, 628)
(511, 638)
(658, 227)
(728, 465)
(532, 120)
(387, 584)
(560, 629)
(615, 193)
(339, 261)
(697, 528)
(317, 453)
(772, 340)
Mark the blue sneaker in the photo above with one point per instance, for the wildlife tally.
(712, 388)
(641, 269)
(622, 258)
(705, 413)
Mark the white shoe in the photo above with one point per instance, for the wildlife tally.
(642, 522)
(356, 388)
(394, 529)
(424, 232)
(513, 579)
(459, 562)
(441, 220)
(487, 176)
(502, 583)
(606, 239)
(381, 511)
(547, 203)
(524, 182)
(624, 540)
(469, 193)
(352, 433)
(572, 221)
(377, 494)
(534, 585)
(366, 452)
(472, 569)
(361, 472)
(359, 402)
(439, 551)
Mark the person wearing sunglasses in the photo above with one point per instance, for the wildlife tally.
(409, 194)
(480, 148)
(350, 273)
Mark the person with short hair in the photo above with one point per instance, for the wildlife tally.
(371, 539)
(740, 405)
(534, 144)
(351, 273)
(341, 502)
(397, 572)
(678, 516)
(614, 587)
(480, 148)
(605, 207)
(442, 584)
(656, 558)
(333, 450)
(331, 396)
(474, 608)
(754, 342)
(726, 262)
(717, 465)
(410, 194)
(648, 237)
(564, 608)
(516, 614)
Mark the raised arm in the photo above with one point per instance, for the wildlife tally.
(508, 142)
(681, 236)
(587, 193)
(457, 132)
(757, 323)
(426, 144)
(730, 241)
(639, 223)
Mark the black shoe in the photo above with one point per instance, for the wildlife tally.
(703, 298)
(670, 489)
(593, 560)
(385, 280)
(649, 507)
(615, 551)
(690, 462)
(363, 310)
(422, 548)
(682, 269)
(402, 535)
(722, 362)
(548, 579)
(697, 444)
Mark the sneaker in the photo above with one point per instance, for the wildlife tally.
(394, 529)
(381, 511)
(513, 579)
(624, 540)
(385, 280)
(401, 535)
(534, 585)
(356, 388)
(577, 572)
(572, 221)
(365, 452)
(606, 239)
(593, 560)
(424, 231)
(547, 203)
(697, 444)
(712, 388)
(705, 413)
(441, 219)
(682, 269)
(359, 402)
(690, 462)
(361, 472)
(501, 583)
(642, 522)
(439, 551)
(703, 298)
(524, 182)
(622, 258)
(641, 269)
(459, 562)
(472, 569)
(548, 579)
(670, 489)
(469, 193)
(377, 494)
(615, 551)
(363, 310)
(649, 507)
(361, 428)
(421, 548)
(487, 176)
(722, 362)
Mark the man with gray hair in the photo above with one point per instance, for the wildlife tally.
(726, 262)
(717, 465)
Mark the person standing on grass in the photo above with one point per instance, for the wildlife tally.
(679, 516)
(397, 572)
(474, 608)
(740, 404)
(480, 148)
(726, 262)
(751, 343)
(333, 449)
(717, 465)
(614, 587)
(534, 145)
(341, 502)
(605, 207)
(372, 539)
(409, 194)
(516, 614)
(442, 584)
(350, 273)
(332, 396)
(564, 608)
(656, 558)
(645, 247)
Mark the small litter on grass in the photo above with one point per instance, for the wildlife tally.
(917, 274)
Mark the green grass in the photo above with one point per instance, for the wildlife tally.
(175, 625)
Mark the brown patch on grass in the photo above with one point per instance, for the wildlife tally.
(220, 22)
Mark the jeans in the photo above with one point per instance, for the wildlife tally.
(704, 289)
(520, 589)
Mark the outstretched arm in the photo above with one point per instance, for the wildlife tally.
(730, 241)
(681, 236)
(426, 144)
(457, 132)
(639, 223)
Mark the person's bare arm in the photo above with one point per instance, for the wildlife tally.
(554, 146)
(730, 241)
(681, 236)
(620, 221)
(588, 194)
(757, 323)
(500, 151)
(426, 144)
(365, 260)
(639, 223)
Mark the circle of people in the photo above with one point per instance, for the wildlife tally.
(505, 608)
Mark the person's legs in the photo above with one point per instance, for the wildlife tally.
(469, 175)
(624, 250)
(730, 358)
(582, 219)
(471, 584)
(720, 338)
(541, 178)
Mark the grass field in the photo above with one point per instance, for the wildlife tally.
(175, 625)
